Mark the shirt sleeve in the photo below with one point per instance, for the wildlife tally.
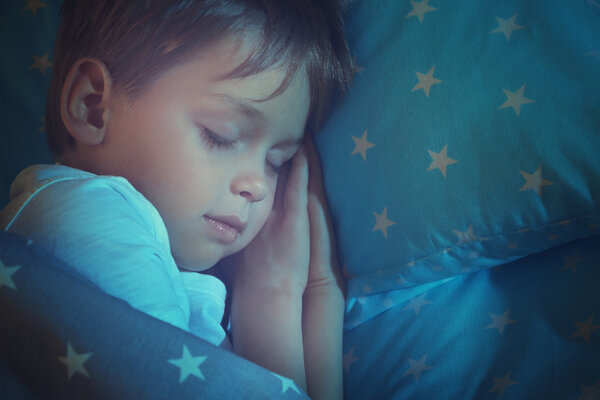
(109, 233)
(206, 295)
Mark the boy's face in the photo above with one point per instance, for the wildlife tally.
(205, 154)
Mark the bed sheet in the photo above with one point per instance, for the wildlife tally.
(529, 329)
(61, 337)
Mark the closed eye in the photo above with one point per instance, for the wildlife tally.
(214, 141)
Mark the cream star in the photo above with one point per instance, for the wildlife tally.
(515, 100)
(466, 236)
(420, 9)
(355, 67)
(188, 365)
(6, 274)
(349, 359)
(40, 63)
(33, 5)
(286, 383)
(535, 181)
(572, 261)
(593, 3)
(500, 384)
(507, 26)
(382, 222)
(440, 160)
(591, 392)
(417, 367)
(74, 362)
(585, 329)
(500, 321)
(426, 81)
(417, 302)
(42, 128)
(361, 145)
(347, 274)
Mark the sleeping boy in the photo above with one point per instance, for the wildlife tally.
(178, 128)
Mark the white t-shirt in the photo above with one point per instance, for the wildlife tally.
(110, 233)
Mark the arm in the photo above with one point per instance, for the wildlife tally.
(323, 313)
(323, 318)
(266, 327)
(269, 278)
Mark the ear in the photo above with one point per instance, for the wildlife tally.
(84, 101)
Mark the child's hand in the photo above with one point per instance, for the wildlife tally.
(278, 257)
(324, 272)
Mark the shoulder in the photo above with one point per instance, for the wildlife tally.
(50, 194)
(106, 231)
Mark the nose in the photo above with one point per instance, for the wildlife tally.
(252, 186)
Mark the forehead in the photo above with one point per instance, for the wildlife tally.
(199, 81)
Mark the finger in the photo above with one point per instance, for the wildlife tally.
(315, 183)
(281, 184)
(297, 183)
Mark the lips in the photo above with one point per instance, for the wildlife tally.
(225, 228)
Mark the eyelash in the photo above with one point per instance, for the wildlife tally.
(215, 141)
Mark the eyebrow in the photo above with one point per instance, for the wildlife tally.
(243, 107)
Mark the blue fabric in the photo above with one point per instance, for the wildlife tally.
(525, 330)
(469, 139)
(62, 337)
(26, 47)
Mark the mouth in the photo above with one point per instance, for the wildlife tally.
(225, 228)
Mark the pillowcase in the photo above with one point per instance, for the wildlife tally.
(470, 138)
(28, 29)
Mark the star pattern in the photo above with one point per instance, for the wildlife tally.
(500, 384)
(426, 81)
(355, 67)
(466, 236)
(74, 362)
(535, 181)
(572, 261)
(382, 222)
(286, 383)
(42, 127)
(40, 63)
(33, 6)
(6, 274)
(347, 274)
(440, 160)
(515, 100)
(585, 329)
(419, 9)
(507, 26)
(188, 365)
(593, 3)
(591, 392)
(416, 303)
(361, 145)
(349, 359)
(500, 321)
(417, 367)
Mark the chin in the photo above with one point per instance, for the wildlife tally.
(195, 263)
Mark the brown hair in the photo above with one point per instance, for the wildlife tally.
(139, 39)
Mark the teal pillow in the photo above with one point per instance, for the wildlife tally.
(470, 138)
(28, 29)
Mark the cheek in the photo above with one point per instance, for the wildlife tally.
(260, 213)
